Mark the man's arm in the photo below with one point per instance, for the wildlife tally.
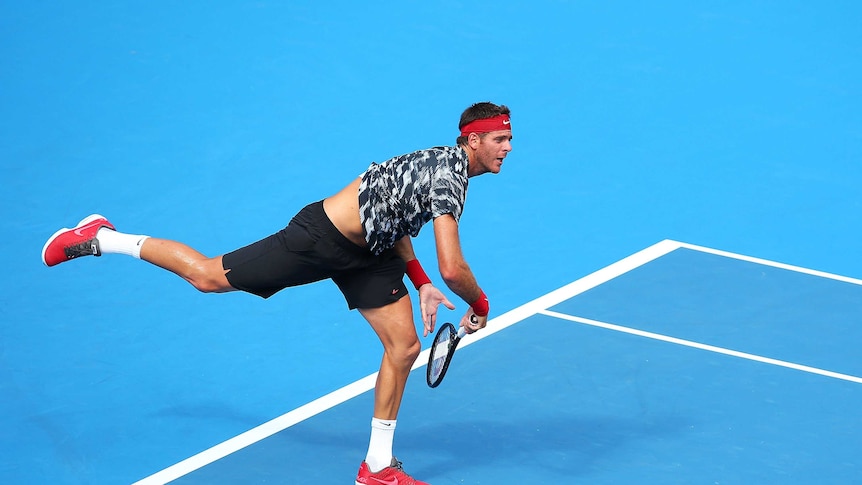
(453, 267)
(404, 249)
(430, 297)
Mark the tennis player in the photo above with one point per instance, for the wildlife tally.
(360, 238)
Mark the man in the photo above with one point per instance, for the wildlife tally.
(361, 239)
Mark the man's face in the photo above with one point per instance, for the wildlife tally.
(491, 148)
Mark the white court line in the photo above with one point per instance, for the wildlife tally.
(505, 320)
(365, 384)
(773, 264)
(696, 345)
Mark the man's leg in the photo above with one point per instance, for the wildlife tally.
(95, 235)
(394, 326)
(205, 274)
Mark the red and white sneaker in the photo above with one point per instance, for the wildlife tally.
(391, 475)
(81, 240)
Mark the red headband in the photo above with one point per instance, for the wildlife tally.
(494, 123)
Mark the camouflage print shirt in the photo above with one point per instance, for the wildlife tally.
(397, 197)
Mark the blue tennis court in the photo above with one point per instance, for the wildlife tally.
(670, 250)
(625, 384)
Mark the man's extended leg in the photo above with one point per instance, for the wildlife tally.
(94, 236)
(205, 274)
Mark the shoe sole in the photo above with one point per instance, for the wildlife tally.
(84, 221)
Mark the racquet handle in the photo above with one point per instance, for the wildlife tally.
(463, 330)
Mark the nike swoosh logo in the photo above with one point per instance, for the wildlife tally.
(388, 481)
(506, 122)
(88, 226)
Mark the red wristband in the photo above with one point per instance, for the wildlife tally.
(416, 273)
(480, 306)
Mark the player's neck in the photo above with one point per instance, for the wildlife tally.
(471, 160)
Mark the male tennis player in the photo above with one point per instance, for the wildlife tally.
(361, 239)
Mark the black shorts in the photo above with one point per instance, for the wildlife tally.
(311, 249)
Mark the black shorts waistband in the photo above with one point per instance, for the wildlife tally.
(314, 215)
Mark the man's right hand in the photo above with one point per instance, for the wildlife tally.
(429, 299)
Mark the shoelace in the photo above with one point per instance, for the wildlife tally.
(85, 248)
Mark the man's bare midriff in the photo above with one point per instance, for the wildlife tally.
(343, 210)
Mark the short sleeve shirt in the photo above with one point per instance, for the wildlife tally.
(397, 197)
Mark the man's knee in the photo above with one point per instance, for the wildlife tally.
(405, 354)
(209, 277)
(209, 286)
(413, 350)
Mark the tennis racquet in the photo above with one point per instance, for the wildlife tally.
(442, 351)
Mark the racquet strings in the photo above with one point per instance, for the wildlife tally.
(439, 353)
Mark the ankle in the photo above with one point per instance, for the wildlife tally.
(113, 242)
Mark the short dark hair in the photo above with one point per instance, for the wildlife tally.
(479, 111)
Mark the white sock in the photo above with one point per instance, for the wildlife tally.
(380, 448)
(113, 242)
